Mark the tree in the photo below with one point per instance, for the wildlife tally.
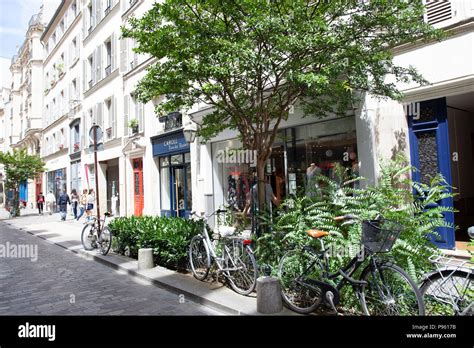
(19, 167)
(252, 60)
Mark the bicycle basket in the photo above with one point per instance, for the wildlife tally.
(379, 236)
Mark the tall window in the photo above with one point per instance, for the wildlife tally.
(91, 16)
(74, 8)
(108, 62)
(90, 71)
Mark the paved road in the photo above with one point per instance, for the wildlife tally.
(62, 283)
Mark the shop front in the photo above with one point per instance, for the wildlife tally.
(56, 182)
(171, 151)
(328, 148)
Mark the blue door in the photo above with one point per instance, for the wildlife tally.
(23, 191)
(430, 154)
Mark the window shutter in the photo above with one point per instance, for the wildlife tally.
(98, 12)
(140, 115)
(123, 55)
(84, 127)
(84, 73)
(99, 64)
(94, 11)
(84, 24)
(113, 105)
(100, 119)
(113, 55)
(126, 111)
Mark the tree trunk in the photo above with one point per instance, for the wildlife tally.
(261, 162)
(16, 202)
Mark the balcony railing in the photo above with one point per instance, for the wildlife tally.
(108, 70)
(91, 83)
(107, 11)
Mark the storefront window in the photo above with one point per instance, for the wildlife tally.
(56, 182)
(165, 187)
(298, 154)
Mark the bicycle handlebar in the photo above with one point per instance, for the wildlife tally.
(218, 211)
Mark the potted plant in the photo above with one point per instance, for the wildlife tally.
(60, 68)
(133, 124)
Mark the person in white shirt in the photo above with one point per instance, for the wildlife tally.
(90, 203)
(50, 202)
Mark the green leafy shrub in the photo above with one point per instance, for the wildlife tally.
(169, 237)
(394, 197)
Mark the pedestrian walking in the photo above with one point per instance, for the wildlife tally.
(63, 202)
(40, 203)
(50, 202)
(74, 202)
(90, 203)
(82, 204)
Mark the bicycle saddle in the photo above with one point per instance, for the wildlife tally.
(317, 233)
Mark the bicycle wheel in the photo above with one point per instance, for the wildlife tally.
(297, 296)
(199, 258)
(105, 240)
(88, 237)
(390, 291)
(448, 292)
(241, 268)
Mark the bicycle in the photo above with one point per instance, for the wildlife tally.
(383, 288)
(450, 289)
(91, 238)
(232, 255)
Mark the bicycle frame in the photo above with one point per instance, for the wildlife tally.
(219, 259)
(346, 272)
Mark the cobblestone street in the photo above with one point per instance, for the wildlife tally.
(62, 283)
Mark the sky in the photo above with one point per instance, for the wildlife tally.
(14, 17)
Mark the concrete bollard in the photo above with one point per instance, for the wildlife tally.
(269, 295)
(145, 258)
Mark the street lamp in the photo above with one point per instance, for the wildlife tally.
(189, 132)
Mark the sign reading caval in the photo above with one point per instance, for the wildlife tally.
(169, 144)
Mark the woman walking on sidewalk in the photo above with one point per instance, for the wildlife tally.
(90, 203)
(74, 202)
(82, 204)
(50, 202)
(39, 203)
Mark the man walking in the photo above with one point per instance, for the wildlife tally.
(63, 202)
(39, 203)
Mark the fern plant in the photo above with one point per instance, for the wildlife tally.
(395, 197)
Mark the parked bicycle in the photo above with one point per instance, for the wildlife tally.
(383, 288)
(232, 255)
(450, 289)
(91, 238)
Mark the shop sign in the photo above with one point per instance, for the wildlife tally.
(170, 144)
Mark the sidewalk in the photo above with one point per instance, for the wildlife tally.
(67, 234)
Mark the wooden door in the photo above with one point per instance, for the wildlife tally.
(138, 186)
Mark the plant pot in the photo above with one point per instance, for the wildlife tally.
(135, 130)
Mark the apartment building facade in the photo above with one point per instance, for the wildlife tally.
(27, 100)
(5, 114)
(62, 78)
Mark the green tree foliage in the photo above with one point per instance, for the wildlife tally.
(252, 60)
(19, 167)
